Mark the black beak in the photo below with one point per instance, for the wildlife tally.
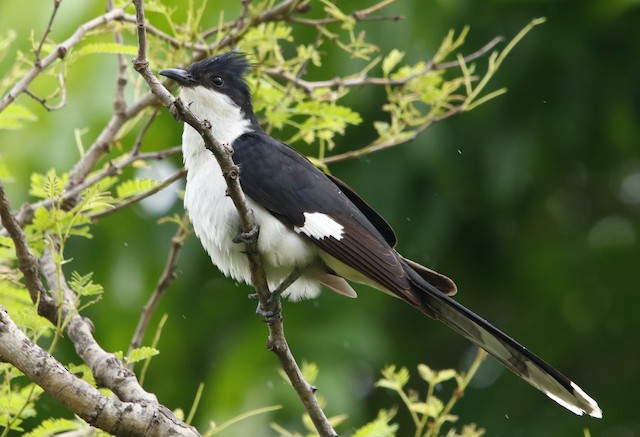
(183, 77)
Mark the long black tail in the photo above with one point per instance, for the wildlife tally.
(506, 350)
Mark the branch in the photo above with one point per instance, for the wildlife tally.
(58, 53)
(107, 369)
(168, 274)
(360, 15)
(340, 82)
(25, 215)
(119, 102)
(378, 145)
(47, 31)
(179, 174)
(172, 41)
(111, 415)
(27, 262)
(277, 341)
(62, 92)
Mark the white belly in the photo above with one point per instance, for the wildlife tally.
(216, 223)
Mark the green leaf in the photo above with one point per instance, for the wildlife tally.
(50, 427)
(84, 371)
(393, 379)
(141, 354)
(49, 185)
(17, 302)
(434, 377)
(134, 187)
(112, 48)
(13, 116)
(432, 408)
(381, 426)
(83, 285)
(5, 174)
(391, 61)
(309, 371)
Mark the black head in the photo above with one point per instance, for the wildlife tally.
(222, 73)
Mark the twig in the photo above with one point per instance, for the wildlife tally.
(58, 53)
(173, 42)
(109, 414)
(47, 31)
(145, 128)
(168, 274)
(141, 196)
(277, 341)
(62, 91)
(339, 82)
(378, 145)
(119, 102)
(27, 262)
(236, 30)
(25, 215)
(359, 15)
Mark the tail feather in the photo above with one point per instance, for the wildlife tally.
(506, 350)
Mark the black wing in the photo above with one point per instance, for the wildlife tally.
(288, 185)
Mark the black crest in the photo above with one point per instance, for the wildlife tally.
(225, 74)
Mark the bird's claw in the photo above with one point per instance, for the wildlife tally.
(269, 316)
(250, 237)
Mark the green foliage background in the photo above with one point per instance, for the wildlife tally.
(531, 203)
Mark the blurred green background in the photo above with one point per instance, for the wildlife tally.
(531, 203)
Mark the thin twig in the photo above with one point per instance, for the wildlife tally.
(58, 53)
(168, 274)
(359, 15)
(106, 368)
(141, 196)
(27, 262)
(47, 31)
(25, 215)
(62, 92)
(145, 128)
(378, 145)
(172, 41)
(119, 102)
(340, 82)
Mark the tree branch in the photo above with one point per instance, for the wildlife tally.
(47, 31)
(106, 368)
(27, 262)
(277, 341)
(58, 53)
(168, 274)
(179, 174)
(378, 144)
(25, 214)
(341, 82)
(111, 415)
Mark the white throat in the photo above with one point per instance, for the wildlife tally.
(227, 120)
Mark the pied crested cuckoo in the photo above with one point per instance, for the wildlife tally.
(315, 224)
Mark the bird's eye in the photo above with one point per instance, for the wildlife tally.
(217, 81)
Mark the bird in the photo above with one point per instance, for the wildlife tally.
(312, 225)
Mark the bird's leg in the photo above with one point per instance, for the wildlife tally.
(293, 277)
(273, 316)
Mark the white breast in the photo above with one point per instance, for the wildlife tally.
(213, 215)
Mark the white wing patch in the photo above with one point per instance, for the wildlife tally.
(318, 225)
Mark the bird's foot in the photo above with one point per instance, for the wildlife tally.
(250, 237)
(269, 316)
